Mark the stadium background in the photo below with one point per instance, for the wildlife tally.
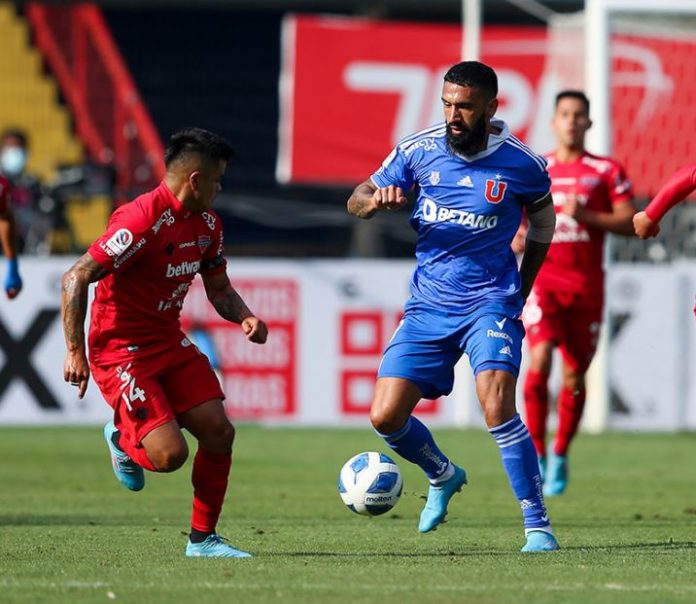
(312, 104)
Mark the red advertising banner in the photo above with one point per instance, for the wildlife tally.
(258, 380)
(364, 334)
(351, 88)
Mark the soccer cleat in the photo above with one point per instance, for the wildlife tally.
(542, 467)
(128, 473)
(214, 546)
(540, 541)
(556, 479)
(438, 497)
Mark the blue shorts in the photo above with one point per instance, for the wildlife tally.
(427, 345)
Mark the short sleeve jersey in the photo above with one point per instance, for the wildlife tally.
(153, 247)
(467, 211)
(5, 194)
(574, 263)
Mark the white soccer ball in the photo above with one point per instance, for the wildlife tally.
(370, 483)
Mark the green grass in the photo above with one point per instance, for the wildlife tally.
(70, 533)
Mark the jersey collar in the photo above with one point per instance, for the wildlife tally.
(494, 141)
(172, 199)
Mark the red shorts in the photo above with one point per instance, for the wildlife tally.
(569, 322)
(149, 390)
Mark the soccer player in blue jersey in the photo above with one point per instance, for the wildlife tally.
(473, 179)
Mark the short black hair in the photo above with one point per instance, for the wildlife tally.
(474, 74)
(197, 141)
(574, 94)
(17, 133)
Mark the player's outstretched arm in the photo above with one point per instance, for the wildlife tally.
(230, 306)
(8, 240)
(676, 189)
(75, 286)
(367, 199)
(542, 222)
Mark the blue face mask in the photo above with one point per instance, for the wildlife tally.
(13, 160)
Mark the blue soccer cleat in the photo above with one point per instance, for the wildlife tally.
(438, 497)
(214, 546)
(542, 467)
(556, 479)
(540, 541)
(128, 473)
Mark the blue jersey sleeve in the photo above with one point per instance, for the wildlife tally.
(395, 170)
(536, 182)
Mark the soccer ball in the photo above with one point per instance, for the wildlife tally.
(370, 483)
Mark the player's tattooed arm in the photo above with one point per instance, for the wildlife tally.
(231, 307)
(74, 290)
(367, 199)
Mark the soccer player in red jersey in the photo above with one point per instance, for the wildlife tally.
(149, 372)
(8, 240)
(592, 196)
(679, 186)
(676, 189)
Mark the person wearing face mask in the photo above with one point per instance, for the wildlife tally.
(25, 189)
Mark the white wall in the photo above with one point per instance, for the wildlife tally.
(329, 322)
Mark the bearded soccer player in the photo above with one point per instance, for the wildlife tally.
(591, 196)
(8, 240)
(149, 372)
(473, 179)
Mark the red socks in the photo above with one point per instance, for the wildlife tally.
(570, 408)
(209, 478)
(536, 405)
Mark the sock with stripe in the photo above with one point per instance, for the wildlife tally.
(522, 467)
(415, 443)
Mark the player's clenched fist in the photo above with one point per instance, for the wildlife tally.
(645, 227)
(255, 330)
(389, 198)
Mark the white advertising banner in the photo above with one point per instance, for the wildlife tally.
(329, 322)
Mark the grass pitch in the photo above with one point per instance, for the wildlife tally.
(71, 534)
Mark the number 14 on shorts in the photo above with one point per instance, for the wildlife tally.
(129, 390)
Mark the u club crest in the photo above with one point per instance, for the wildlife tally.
(495, 190)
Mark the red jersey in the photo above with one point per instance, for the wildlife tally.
(5, 193)
(574, 263)
(152, 247)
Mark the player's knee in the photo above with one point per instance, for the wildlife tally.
(573, 380)
(170, 458)
(384, 420)
(219, 436)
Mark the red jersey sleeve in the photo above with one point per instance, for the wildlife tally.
(619, 186)
(214, 257)
(5, 191)
(126, 237)
(677, 188)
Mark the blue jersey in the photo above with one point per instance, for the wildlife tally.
(467, 212)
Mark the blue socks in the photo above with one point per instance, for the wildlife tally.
(415, 443)
(522, 467)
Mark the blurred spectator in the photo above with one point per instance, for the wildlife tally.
(8, 240)
(32, 227)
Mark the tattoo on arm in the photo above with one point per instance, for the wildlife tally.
(230, 306)
(74, 289)
(360, 202)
